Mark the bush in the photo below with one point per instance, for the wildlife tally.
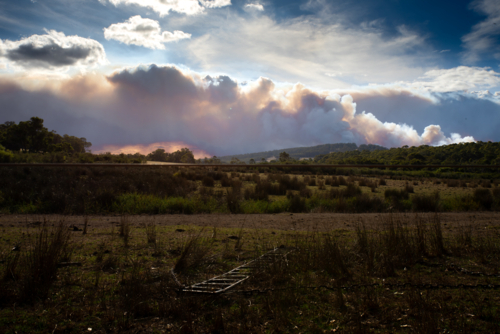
(342, 181)
(47, 248)
(366, 203)
(486, 184)
(425, 202)
(208, 181)
(297, 204)
(233, 200)
(350, 191)
(5, 155)
(408, 188)
(257, 193)
(225, 182)
(483, 197)
(306, 192)
(396, 193)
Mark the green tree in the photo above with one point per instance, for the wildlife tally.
(5, 155)
(284, 157)
(158, 155)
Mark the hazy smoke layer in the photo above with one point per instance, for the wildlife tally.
(154, 104)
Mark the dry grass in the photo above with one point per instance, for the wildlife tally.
(131, 289)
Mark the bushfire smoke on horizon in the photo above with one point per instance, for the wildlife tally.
(146, 107)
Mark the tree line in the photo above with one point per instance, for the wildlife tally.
(31, 136)
(31, 142)
(478, 153)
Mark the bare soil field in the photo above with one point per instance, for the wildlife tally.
(282, 221)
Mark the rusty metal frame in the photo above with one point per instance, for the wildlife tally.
(224, 282)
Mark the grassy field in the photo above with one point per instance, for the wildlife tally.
(406, 273)
(158, 190)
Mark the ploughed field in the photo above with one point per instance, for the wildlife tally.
(337, 272)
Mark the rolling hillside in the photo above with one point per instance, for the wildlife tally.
(302, 152)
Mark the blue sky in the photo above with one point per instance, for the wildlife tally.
(392, 72)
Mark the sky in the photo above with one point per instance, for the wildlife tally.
(226, 77)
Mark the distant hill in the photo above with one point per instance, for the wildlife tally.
(302, 152)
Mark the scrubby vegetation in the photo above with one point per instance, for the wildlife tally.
(404, 274)
(482, 153)
(160, 189)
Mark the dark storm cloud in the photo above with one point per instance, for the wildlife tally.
(52, 50)
(51, 54)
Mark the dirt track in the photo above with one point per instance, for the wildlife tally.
(286, 221)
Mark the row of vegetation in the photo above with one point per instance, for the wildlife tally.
(483, 153)
(31, 142)
(158, 190)
(121, 277)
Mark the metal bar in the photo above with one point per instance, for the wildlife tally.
(224, 282)
(242, 166)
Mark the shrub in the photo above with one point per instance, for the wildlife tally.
(426, 202)
(40, 261)
(483, 197)
(225, 182)
(408, 188)
(151, 232)
(396, 193)
(486, 184)
(208, 181)
(297, 204)
(257, 193)
(305, 192)
(342, 181)
(350, 191)
(233, 200)
(366, 203)
(195, 251)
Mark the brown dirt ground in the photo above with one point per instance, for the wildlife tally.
(485, 221)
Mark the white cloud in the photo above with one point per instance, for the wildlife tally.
(54, 50)
(483, 37)
(254, 6)
(215, 3)
(143, 32)
(164, 7)
(304, 49)
(462, 78)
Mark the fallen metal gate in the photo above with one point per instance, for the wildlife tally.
(224, 282)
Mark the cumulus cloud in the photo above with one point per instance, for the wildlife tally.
(164, 7)
(483, 39)
(462, 78)
(254, 6)
(52, 50)
(215, 114)
(143, 32)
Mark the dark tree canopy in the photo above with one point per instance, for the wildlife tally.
(31, 136)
